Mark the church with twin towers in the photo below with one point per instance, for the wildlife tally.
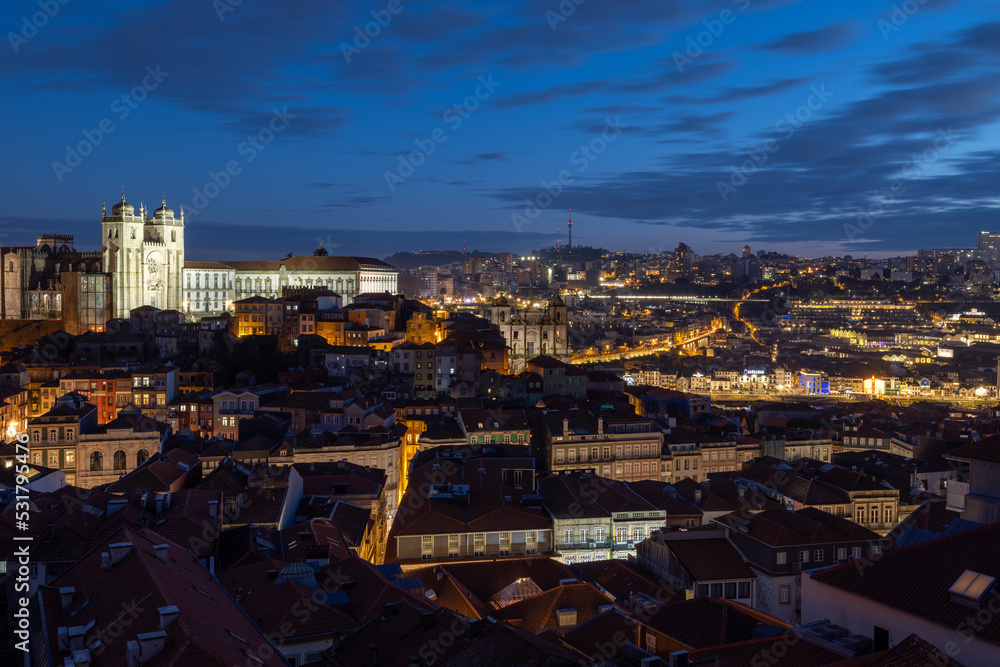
(144, 254)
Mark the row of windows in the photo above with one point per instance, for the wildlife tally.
(621, 452)
(819, 555)
(731, 590)
(478, 544)
(97, 460)
(36, 436)
(216, 283)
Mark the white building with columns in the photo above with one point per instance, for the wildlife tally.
(347, 276)
(145, 256)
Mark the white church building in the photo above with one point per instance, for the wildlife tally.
(145, 257)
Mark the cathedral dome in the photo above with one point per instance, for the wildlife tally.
(123, 208)
(163, 211)
(501, 301)
(320, 251)
(557, 302)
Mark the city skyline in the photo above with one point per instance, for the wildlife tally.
(435, 130)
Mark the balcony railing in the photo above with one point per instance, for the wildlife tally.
(585, 544)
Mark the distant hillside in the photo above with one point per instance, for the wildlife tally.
(415, 260)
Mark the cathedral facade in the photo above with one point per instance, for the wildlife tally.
(533, 331)
(145, 257)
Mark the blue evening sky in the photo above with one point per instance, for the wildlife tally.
(809, 127)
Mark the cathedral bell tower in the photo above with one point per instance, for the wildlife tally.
(122, 233)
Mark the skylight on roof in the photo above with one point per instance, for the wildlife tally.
(971, 588)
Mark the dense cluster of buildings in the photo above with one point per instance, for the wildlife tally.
(319, 470)
(142, 263)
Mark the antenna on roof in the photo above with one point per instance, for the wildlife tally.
(569, 245)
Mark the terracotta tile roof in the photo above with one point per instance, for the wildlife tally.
(444, 639)
(784, 650)
(916, 579)
(621, 579)
(659, 495)
(539, 612)
(320, 478)
(712, 558)
(272, 601)
(161, 472)
(987, 449)
(477, 582)
(352, 521)
(565, 498)
(778, 527)
(315, 539)
(706, 622)
(914, 651)
(209, 630)
(593, 636)
(261, 505)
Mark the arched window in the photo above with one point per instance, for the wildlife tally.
(140, 457)
(215, 280)
(197, 280)
(120, 459)
(96, 462)
(188, 276)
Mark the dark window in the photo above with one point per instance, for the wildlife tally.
(96, 461)
(880, 639)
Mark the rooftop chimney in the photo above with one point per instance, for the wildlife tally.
(66, 596)
(213, 508)
(600, 425)
(162, 551)
(150, 645)
(81, 658)
(373, 655)
(167, 615)
(565, 426)
(105, 560)
(679, 659)
(119, 550)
